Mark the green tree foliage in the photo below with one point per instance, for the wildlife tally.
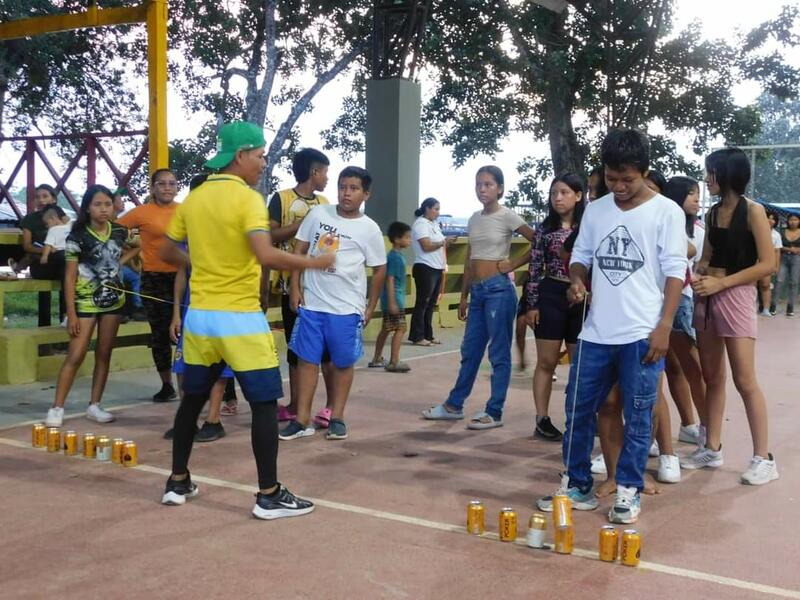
(498, 67)
(64, 82)
(263, 61)
(777, 172)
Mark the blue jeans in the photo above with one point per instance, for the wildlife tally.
(131, 277)
(601, 366)
(490, 320)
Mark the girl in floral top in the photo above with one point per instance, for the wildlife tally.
(553, 320)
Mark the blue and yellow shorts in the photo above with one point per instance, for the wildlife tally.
(214, 339)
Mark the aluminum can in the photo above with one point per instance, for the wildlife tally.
(103, 448)
(70, 443)
(508, 525)
(562, 511)
(53, 439)
(39, 436)
(116, 450)
(537, 529)
(130, 454)
(476, 516)
(631, 547)
(608, 548)
(89, 445)
(565, 539)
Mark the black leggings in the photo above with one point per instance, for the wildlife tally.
(159, 315)
(54, 271)
(263, 436)
(427, 281)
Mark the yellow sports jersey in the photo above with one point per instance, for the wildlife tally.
(215, 219)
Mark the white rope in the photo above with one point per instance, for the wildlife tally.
(565, 476)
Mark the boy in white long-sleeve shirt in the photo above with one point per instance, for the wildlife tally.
(633, 239)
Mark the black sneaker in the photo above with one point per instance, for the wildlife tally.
(165, 394)
(210, 432)
(337, 430)
(176, 492)
(790, 311)
(138, 314)
(545, 430)
(281, 504)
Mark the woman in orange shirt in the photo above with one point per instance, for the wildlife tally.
(158, 277)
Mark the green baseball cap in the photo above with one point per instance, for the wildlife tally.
(235, 136)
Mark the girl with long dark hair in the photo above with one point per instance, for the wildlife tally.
(94, 256)
(553, 320)
(737, 253)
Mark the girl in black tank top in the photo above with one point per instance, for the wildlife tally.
(789, 272)
(725, 317)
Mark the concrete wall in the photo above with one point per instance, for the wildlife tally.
(393, 147)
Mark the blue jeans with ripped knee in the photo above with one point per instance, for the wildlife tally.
(601, 366)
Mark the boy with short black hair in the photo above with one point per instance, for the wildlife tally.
(287, 209)
(58, 228)
(634, 241)
(393, 300)
(330, 303)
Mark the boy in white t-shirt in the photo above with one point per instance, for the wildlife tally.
(58, 228)
(331, 305)
(766, 307)
(634, 241)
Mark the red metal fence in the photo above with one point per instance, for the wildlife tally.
(90, 147)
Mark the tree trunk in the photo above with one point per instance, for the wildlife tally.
(565, 151)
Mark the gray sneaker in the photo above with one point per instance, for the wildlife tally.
(337, 430)
(578, 499)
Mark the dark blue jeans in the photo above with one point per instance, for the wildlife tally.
(490, 320)
(601, 366)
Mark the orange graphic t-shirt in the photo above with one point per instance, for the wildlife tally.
(152, 221)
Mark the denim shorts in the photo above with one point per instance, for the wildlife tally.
(315, 332)
(684, 316)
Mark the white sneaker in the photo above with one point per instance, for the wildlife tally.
(690, 434)
(669, 468)
(95, 413)
(55, 417)
(765, 313)
(654, 450)
(761, 471)
(627, 506)
(703, 458)
(599, 465)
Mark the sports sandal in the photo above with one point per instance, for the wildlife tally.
(399, 367)
(377, 364)
(285, 415)
(421, 343)
(440, 413)
(229, 408)
(484, 420)
(323, 418)
(435, 341)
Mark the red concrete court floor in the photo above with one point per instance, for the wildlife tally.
(392, 499)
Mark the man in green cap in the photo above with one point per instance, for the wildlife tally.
(226, 221)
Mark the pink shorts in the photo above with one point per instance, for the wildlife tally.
(730, 313)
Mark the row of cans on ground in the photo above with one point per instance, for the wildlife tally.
(609, 540)
(100, 447)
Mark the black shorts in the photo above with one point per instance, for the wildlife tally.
(289, 317)
(557, 319)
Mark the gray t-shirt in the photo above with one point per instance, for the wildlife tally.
(490, 235)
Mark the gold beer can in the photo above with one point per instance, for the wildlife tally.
(116, 450)
(631, 547)
(70, 443)
(508, 525)
(130, 455)
(53, 439)
(103, 448)
(537, 529)
(562, 511)
(476, 515)
(89, 445)
(565, 539)
(39, 436)
(608, 549)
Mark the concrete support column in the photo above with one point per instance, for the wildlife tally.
(393, 146)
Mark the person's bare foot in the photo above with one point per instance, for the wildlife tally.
(650, 486)
(608, 487)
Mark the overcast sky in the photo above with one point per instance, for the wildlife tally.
(454, 187)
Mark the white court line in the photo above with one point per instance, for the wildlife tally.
(742, 584)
